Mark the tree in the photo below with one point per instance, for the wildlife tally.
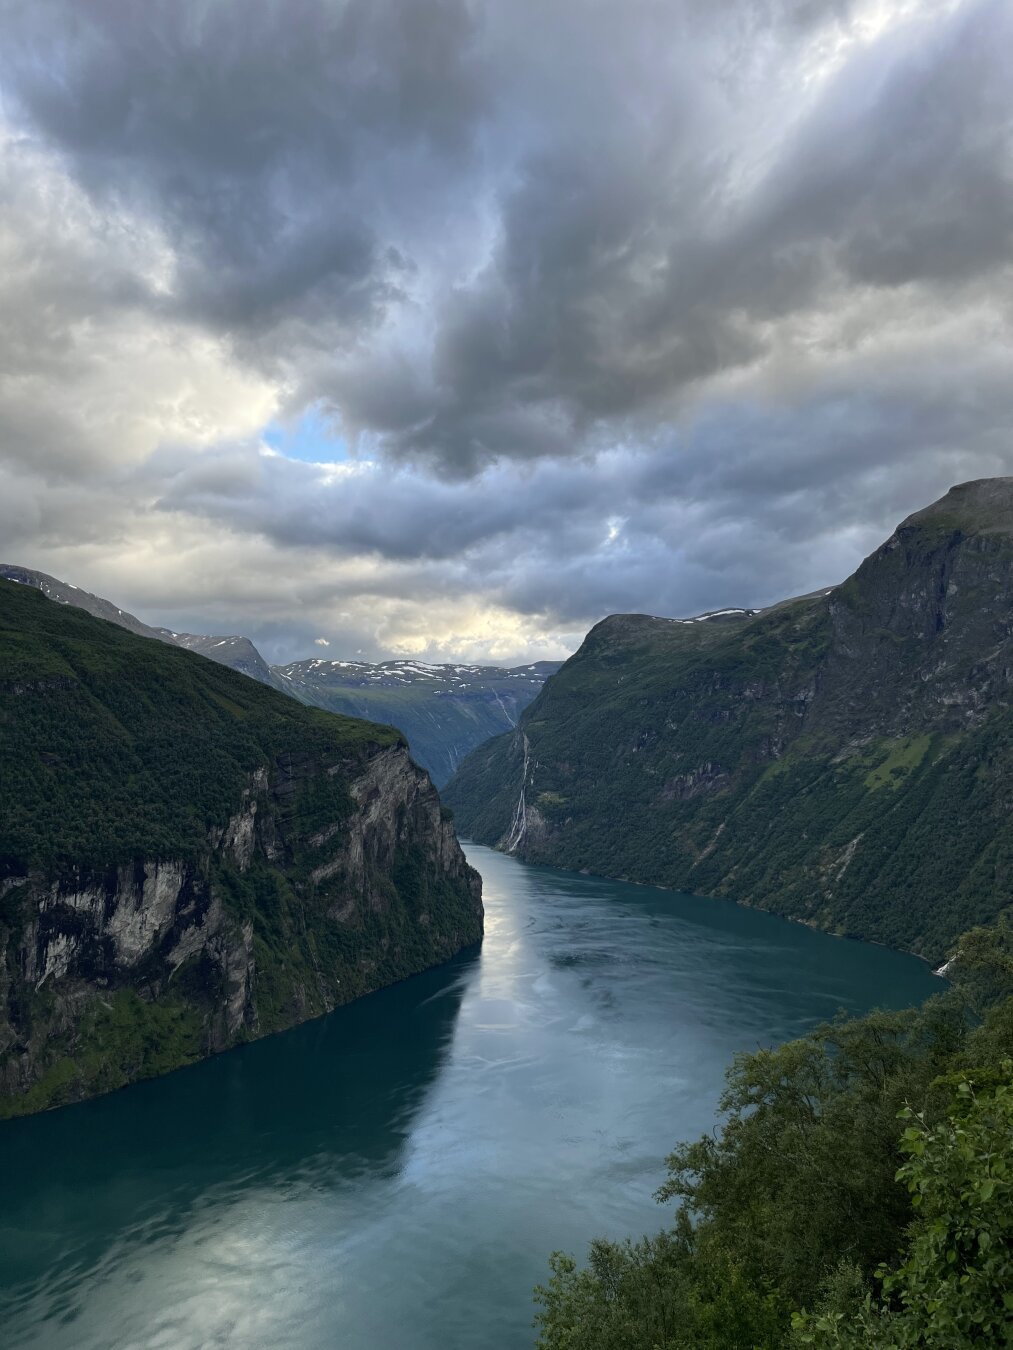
(954, 1288)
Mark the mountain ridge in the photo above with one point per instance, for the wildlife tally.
(841, 758)
(444, 710)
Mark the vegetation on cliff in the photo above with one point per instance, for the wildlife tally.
(845, 759)
(189, 859)
(115, 747)
(858, 1193)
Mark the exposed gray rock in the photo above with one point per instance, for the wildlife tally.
(140, 926)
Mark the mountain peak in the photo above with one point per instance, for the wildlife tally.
(980, 506)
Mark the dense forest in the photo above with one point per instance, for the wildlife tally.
(116, 747)
(858, 1193)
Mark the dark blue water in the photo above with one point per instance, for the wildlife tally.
(396, 1175)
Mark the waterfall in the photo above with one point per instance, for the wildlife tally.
(519, 825)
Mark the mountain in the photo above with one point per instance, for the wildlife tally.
(845, 758)
(443, 710)
(189, 860)
(64, 594)
(238, 653)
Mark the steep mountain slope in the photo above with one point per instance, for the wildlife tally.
(64, 594)
(189, 860)
(845, 758)
(443, 710)
(238, 653)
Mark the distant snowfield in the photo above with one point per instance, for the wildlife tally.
(717, 614)
(401, 672)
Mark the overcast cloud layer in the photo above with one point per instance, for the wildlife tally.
(449, 326)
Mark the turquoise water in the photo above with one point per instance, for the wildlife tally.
(396, 1174)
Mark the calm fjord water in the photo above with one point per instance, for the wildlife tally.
(394, 1176)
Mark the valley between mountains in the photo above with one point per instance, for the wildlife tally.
(189, 858)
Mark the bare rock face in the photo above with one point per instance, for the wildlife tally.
(386, 878)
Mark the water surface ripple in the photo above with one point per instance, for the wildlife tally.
(394, 1176)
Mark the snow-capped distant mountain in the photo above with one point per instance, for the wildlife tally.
(444, 710)
(235, 651)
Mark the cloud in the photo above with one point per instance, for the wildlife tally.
(249, 132)
(92, 373)
(655, 307)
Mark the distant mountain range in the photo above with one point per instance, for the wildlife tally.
(844, 758)
(444, 711)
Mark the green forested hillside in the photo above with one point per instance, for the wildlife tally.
(845, 759)
(444, 710)
(115, 747)
(189, 859)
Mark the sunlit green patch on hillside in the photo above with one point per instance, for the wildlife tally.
(902, 758)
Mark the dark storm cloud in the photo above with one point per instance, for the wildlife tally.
(286, 148)
(247, 130)
(629, 271)
(746, 506)
(629, 306)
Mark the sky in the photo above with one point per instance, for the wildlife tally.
(444, 328)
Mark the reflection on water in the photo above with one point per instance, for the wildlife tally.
(396, 1174)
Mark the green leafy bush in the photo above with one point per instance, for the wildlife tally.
(858, 1193)
(953, 1288)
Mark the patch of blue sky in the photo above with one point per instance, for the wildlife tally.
(310, 437)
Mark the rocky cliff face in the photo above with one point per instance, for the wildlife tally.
(155, 935)
(845, 758)
(330, 871)
(921, 633)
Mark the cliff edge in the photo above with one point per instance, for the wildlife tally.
(189, 860)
